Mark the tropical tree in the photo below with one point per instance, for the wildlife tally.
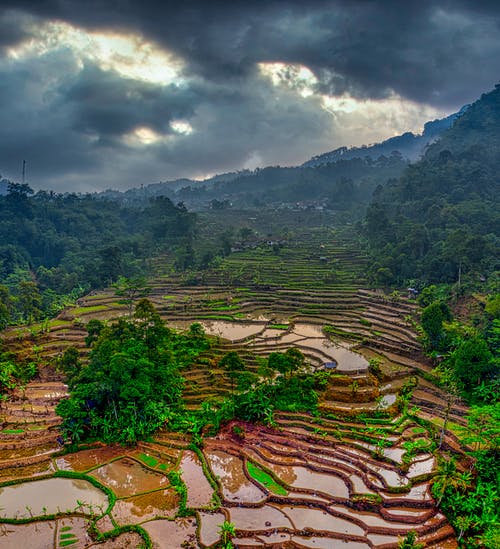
(483, 427)
(130, 289)
(6, 306)
(227, 531)
(234, 366)
(30, 300)
(448, 380)
(472, 361)
(432, 320)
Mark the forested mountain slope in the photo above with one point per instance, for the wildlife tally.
(440, 221)
(409, 145)
(52, 245)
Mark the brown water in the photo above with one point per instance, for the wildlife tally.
(421, 467)
(38, 535)
(209, 527)
(126, 477)
(258, 519)
(199, 490)
(328, 543)
(284, 472)
(383, 539)
(249, 542)
(320, 482)
(407, 512)
(163, 503)
(274, 537)
(392, 478)
(53, 494)
(370, 519)
(77, 527)
(308, 330)
(359, 485)
(271, 333)
(170, 534)
(317, 519)
(232, 331)
(235, 485)
(88, 459)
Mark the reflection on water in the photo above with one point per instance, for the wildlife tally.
(126, 477)
(231, 330)
(209, 527)
(199, 489)
(235, 485)
(49, 496)
(321, 482)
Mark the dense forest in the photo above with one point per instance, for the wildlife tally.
(340, 185)
(55, 247)
(440, 221)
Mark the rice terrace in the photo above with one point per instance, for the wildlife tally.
(354, 466)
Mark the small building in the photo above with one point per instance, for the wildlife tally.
(412, 293)
(330, 365)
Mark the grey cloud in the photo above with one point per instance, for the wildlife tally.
(70, 122)
(107, 104)
(370, 47)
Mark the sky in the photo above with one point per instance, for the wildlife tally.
(118, 93)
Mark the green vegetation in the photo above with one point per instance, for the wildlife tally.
(227, 531)
(440, 221)
(14, 372)
(131, 385)
(56, 247)
(265, 479)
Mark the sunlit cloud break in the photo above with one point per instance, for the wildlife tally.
(129, 55)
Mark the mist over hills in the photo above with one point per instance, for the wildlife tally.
(410, 145)
(333, 179)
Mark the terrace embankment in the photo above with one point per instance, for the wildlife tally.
(344, 477)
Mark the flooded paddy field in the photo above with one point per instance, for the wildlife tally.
(278, 487)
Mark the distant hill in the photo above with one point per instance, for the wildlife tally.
(343, 179)
(142, 194)
(441, 218)
(409, 145)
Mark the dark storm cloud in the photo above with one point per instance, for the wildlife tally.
(441, 52)
(107, 104)
(72, 120)
(12, 29)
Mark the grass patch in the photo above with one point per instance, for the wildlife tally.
(279, 326)
(148, 460)
(12, 431)
(216, 317)
(265, 479)
(84, 310)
